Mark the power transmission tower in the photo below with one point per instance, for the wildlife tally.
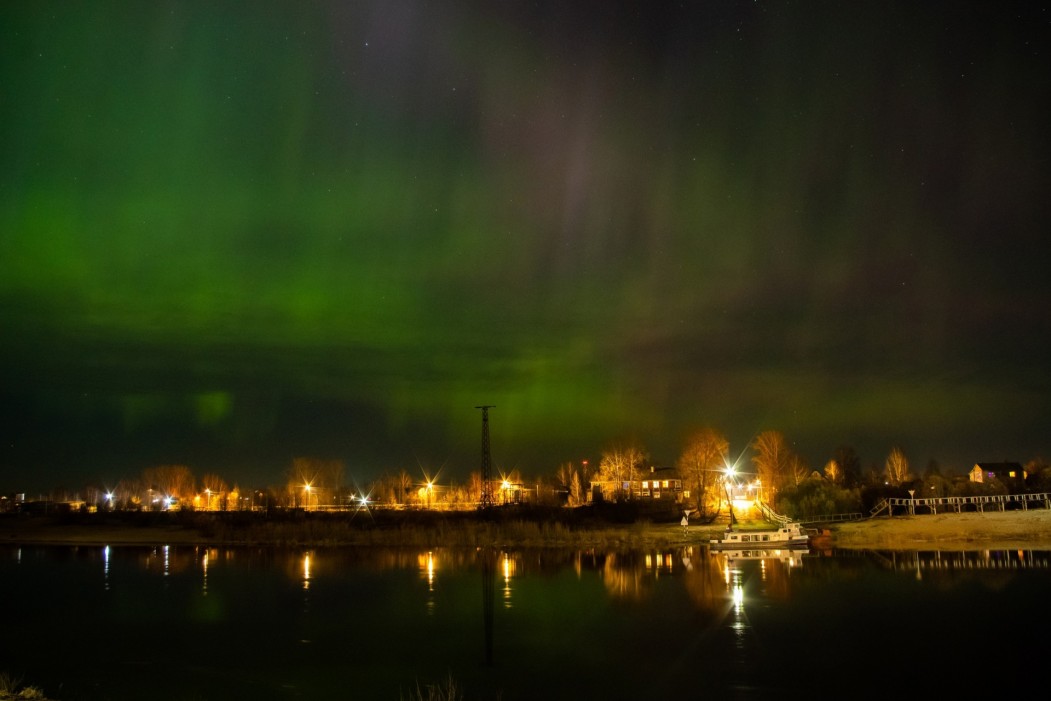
(487, 481)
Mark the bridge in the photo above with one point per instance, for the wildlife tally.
(927, 505)
(931, 505)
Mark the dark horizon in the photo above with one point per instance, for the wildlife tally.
(234, 236)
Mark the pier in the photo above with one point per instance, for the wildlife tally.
(931, 505)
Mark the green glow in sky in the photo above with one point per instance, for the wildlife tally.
(230, 235)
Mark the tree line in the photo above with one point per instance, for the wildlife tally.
(787, 482)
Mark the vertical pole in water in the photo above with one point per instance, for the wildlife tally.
(487, 477)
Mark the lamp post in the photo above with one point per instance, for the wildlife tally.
(729, 499)
(306, 488)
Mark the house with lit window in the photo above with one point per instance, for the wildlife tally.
(658, 484)
(662, 483)
(1003, 471)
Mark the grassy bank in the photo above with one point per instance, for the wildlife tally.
(555, 528)
(427, 529)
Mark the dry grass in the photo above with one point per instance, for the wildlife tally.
(447, 691)
(11, 688)
(1002, 530)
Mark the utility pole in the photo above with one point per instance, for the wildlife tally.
(487, 477)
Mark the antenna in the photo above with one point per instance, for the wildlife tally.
(487, 470)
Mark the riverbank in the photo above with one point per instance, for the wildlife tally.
(1027, 530)
(995, 530)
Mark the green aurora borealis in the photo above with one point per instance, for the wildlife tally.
(234, 233)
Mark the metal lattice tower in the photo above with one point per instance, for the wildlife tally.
(487, 460)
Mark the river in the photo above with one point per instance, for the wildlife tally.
(248, 623)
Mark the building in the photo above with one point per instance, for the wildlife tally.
(1002, 471)
(658, 484)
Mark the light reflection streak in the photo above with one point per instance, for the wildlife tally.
(166, 560)
(105, 568)
(204, 568)
(509, 569)
(306, 571)
(428, 569)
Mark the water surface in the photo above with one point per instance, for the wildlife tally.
(225, 623)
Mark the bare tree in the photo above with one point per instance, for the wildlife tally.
(314, 482)
(773, 461)
(169, 482)
(798, 468)
(214, 492)
(571, 479)
(833, 472)
(576, 491)
(897, 467)
(701, 464)
(618, 467)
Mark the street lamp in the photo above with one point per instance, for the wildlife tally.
(729, 499)
(306, 488)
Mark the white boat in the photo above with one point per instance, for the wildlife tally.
(790, 535)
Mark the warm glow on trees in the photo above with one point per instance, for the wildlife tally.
(175, 481)
(617, 466)
(897, 467)
(701, 465)
(833, 473)
(314, 482)
(773, 460)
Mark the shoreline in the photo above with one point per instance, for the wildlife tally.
(1009, 530)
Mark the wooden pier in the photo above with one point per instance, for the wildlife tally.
(931, 505)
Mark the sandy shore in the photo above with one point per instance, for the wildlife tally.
(1026, 530)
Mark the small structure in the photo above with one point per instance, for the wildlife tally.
(1002, 471)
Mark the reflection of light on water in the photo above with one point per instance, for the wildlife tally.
(659, 561)
(166, 560)
(428, 568)
(105, 567)
(204, 568)
(427, 564)
(306, 571)
(740, 623)
(509, 570)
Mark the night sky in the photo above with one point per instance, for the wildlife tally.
(236, 233)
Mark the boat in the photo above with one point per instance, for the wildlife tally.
(790, 535)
